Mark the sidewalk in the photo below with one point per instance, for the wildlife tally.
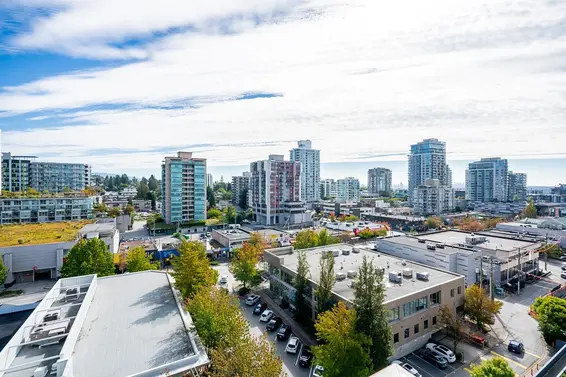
(288, 319)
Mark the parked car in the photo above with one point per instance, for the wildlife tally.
(563, 274)
(408, 367)
(442, 351)
(515, 347)
(317, 371)
(292, 346)
(266, 315)
(438, 361)
(274, 324)
(305, 358)
(284, 332)
(252, 300)
(223, 279)
(563, 268)
(259, 308)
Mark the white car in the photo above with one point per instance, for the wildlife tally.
(443, 351)
(292, 346)
(223, 279)
(408, 367)
(266, 315)
(252, 300)
(317, 371)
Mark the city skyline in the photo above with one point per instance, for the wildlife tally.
(229, 82)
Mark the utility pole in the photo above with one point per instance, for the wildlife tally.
(520, 273)
(481, 271)
(546, 253)
(491, 278)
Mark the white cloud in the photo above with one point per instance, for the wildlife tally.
(362, 78)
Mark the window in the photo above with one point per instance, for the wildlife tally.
(435, 298)
(452, 292)
(416, 329)
(394, 314)
(396, 338)
(460, 290)
(407, 333)
(434, 320)
(415, 306)
(425, 324)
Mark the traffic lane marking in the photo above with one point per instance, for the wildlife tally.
(532, 354)
(508, 359)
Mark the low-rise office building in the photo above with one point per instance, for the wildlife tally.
(45, 209)
(141, 205)
(552, 229)
(123, 325)
(414, 292)
(104, 230)
(497, 254)
(232, 238)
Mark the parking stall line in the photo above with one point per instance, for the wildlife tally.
(430, 365)
(508, 359)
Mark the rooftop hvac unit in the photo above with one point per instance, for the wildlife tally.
(352, 274)
(340, 276)
(40, 372)
(395, 277)
(440, 246)
(422, 276)
(430, 246)
(345, 251)
(336, 253)
(403, 262)
(408, 273)
(421, 241)
(355, 250)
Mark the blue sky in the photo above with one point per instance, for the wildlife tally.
(120, 84)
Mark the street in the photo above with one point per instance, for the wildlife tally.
(257, 328)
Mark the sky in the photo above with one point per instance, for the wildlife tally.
(120, 84)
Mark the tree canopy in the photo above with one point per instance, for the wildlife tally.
(344, 351)
(496, 367)
(372, 318)
(214, 213)
(326, 282)
(531, 210)
(3, 271)
(479, 307)
(136, 260)
(230, 214)
(244, 265)
(309, 238)
(453, 323)
(243, 199)
(302, 312)
(433, 222)
(192, 268)
(551, 315)
(210, 197)
(88, 257)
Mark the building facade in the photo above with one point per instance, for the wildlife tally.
(517, 187)
(348, 190)
(209, 180)
(310, 170)
(428, 161)
(379, 180)
(486, 180)
(328, 188)
(432, 198)
(240, 184)
(183, 186)
(273, 184)
(46, 209)
(15, 172)
(59, 177)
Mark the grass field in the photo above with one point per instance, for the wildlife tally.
(35, 234)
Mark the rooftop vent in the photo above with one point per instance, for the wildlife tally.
(340, 276)
(421, 241)
(422, 276)
(408, 273)
(352, 274)
(336, 253)
(355, 250)
(403, 262)
(345, 251)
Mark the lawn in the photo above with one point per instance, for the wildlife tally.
(35, 234)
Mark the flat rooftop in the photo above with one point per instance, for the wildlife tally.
(352, 262)
(109, 227)
(117, 326)
(233, 234)
(40, 233)
(147, 244)
(504, 242)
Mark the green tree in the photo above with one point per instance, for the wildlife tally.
(114, 212)
(496, 367)
(243, 199)
(3, 271)
(137, 260)
(453, 323)
(252, 356)
(323, 293)
(306, 239)
(100, 208)
(344, 351)
(531, 210)
(479, 307)
(214, 213)
(143, 190)
(124, 179)
(372, 318)
(301, 283)
(433, 222)
(244, 265)
(230, 214)
(192, 269)
(152, 183)
(129, 210)
(217, 318)
(88, 257)
(210, 197)
(551, 315)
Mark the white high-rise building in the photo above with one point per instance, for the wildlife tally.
(486, 180)
(348, 190)
(275, 186)
(428, 161)
(432, 198)
(517, 189)
(379, 180)
(209, 180)
(328, 188)
(310, 170)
